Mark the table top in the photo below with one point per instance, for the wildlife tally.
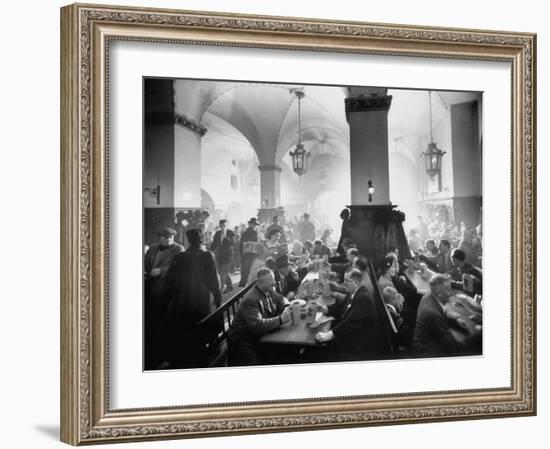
(297, 334)
(421, 280)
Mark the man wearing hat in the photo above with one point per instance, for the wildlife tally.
(286, 278)
(247, 250)
(218, 237)
(158, 259)
(190, 283)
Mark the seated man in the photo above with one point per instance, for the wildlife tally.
(286, 278)
(441, 262)
(432, 336)
(430, 248)
(262, 310)
(458, 258)
(358, 333)
(320, 250)
(341, 268)
(395, 304)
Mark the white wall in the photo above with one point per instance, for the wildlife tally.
(29, 172)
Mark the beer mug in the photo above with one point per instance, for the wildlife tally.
(311, 314)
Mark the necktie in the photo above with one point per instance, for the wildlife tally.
(270, 305)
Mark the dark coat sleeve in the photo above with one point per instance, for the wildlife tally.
(363, 310)
(254, 319)
(166, 266)
(337, 309)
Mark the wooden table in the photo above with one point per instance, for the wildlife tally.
(300, 334)
(420, 280)
(296, 334)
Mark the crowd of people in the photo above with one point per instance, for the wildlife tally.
(185, 282)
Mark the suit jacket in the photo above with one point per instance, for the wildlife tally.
(432, 337)
(440, 262)
(358, 333)
(255, 317)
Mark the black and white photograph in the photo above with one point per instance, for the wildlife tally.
(296, 223)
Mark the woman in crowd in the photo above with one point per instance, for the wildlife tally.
(390, 268)
(269, 248)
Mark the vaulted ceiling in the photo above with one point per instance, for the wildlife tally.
(264, 117)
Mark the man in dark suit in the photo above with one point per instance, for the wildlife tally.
(219, 235)
(191, 281)
(157, 261)
(358, 333)
(441, 262)
(262, 310)
(432, 336)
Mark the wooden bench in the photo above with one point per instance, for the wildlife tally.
(214, 328)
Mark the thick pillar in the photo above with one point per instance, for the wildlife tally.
(466, 160)
(172, 170)
(367, 115)
(187, 162)
(158, 158)
(376, 227)
(270, 192)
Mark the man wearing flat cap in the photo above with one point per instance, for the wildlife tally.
(157, 261)
(191, 285)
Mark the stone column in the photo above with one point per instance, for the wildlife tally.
(375, 226)
(187, 162)
(466, 163)
(367, 115)
(270, 192)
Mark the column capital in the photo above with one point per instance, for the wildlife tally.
(192, 125)
(367, 103)
(270, 167)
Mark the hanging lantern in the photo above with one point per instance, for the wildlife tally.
(433, 155)
(300, 155)
(432, 160)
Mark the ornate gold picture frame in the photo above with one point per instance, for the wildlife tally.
(87, 32)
